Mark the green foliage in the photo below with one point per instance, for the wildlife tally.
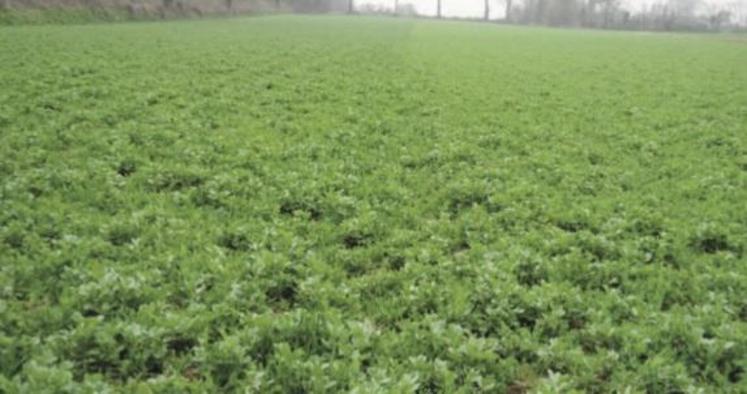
(61, 15)
(333, 204)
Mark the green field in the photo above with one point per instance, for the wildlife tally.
(297, 204)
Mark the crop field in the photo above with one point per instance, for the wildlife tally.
(293, 204)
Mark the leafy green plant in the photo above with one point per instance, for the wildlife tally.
(348, 204)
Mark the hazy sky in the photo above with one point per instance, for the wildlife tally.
(474, 8)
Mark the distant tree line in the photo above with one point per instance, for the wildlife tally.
(664, 15)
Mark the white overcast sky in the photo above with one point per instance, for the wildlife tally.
(474, 8)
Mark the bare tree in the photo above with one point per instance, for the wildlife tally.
(719, 19)
(487, 9)
(540, 11)
(438, 8)
(561, 13)
(351, 6)
(609, 8)
(509, 3)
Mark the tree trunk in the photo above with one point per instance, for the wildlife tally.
(606, 22)
(277, 5)
(396, 7)
(508, 10)
(438, 9)
(540, 12)
(351, 6)
(487, 10)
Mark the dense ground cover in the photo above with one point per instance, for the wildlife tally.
(315, 204)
